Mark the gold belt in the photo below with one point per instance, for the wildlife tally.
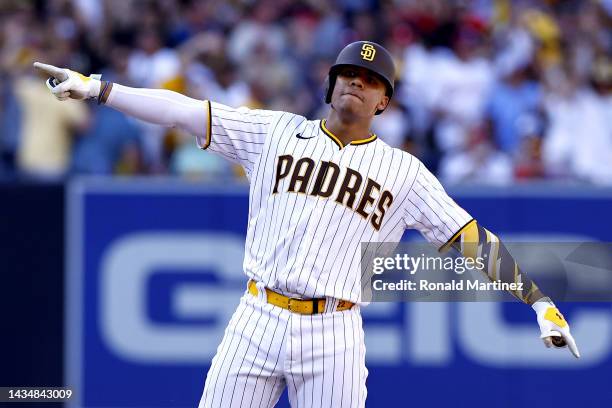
(301, 306)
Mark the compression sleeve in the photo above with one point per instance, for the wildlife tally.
(161, 107)
(474, 241)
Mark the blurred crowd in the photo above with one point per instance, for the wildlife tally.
(488, 91)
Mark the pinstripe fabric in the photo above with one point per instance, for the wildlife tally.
(247, 370)
(326, 364)
(320, 358)
(236, 134)
(303, 244)
(431, 211)
(312, 202)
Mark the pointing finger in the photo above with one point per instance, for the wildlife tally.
(59, 73)
(572, 345)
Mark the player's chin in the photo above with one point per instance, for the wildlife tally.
(351, 106)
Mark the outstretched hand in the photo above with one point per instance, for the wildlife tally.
(554, 328)
(64, 83)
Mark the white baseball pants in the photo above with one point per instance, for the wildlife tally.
(320, 358)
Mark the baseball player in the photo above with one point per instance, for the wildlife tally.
(318, 188)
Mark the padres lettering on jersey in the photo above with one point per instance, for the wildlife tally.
(313, 200)
(352, 185)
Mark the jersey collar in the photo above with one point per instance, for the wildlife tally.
(335, 138)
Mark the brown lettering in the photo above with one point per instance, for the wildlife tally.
(349, 190)
(367, 198)
(282, 172)
(319, 188)
(385, 201)
(301, 178)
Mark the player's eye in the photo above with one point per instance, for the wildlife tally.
(372, 80)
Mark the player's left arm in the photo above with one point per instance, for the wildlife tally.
(473, 240)
(444, 223)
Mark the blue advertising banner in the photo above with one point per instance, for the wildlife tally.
(155, 272)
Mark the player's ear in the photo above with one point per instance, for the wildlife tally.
(384, 102)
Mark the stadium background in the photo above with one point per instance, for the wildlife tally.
(508, 102)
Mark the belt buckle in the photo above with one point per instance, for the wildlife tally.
(289, 305)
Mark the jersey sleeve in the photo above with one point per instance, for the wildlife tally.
(431, 211)
(237, 134)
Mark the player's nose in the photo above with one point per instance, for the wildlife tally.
(357, 81)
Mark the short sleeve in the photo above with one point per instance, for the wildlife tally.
(236, 134)
(431, 211)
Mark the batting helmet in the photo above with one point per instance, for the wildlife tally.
(368, 55)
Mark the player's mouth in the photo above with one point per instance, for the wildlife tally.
(354, 95)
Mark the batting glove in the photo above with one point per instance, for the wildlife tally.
(554, 327)
(64, 83)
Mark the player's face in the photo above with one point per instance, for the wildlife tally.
(359, 91)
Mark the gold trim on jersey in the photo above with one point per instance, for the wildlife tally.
(456, 235)
(364, 141)
(209, 127)
(335, 138)
(331, 135)
(301, 306)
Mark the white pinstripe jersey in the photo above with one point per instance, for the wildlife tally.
(313, 201)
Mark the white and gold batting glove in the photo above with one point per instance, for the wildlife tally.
(554, 327)
(64, 83)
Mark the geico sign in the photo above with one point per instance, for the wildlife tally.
(125, 271)
(427, 336)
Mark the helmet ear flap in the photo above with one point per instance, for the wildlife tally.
(330, 81)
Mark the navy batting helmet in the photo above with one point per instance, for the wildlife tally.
(366, 54)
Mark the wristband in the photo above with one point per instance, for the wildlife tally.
(105, 91)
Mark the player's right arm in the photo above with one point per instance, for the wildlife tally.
(236, 134)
